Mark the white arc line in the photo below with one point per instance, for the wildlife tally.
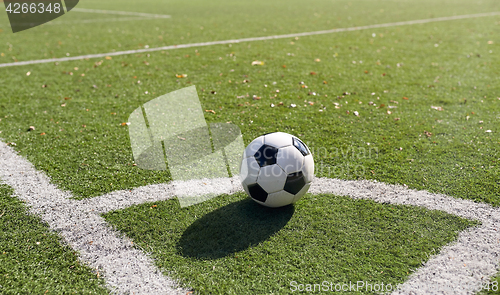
(158, 192)
(461, 267)
(253, 39)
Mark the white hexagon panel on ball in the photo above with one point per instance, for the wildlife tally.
(249, 171)
(253, 147)
(279, 199)
(290, 159)
(308, 168)
(271, 178)
(278, 139)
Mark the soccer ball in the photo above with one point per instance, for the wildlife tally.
(277, 169)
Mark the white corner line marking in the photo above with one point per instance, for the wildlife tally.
(126, 270)
(253, 39)
(461, 267)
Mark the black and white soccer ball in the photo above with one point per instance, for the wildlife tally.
(277, 169)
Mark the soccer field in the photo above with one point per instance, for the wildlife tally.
(398, 102)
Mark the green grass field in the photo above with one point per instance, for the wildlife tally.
(425, 95)
(33, 259)
(237, 247)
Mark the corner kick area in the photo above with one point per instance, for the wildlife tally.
(461, 267)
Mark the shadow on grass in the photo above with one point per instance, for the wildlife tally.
(231, 229)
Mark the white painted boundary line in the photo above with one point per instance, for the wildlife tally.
(201, 44)
(460, 268)
(126, 269)
(147, 15)
(158, 192)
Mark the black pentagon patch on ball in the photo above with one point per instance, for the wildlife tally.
(295, 182)
(300, 146)
(257, 192)
(266, 155)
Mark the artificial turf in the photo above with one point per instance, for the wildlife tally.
(231, 245)
(85, 148)
(390, 77)
(34, 260)
(77, 33)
